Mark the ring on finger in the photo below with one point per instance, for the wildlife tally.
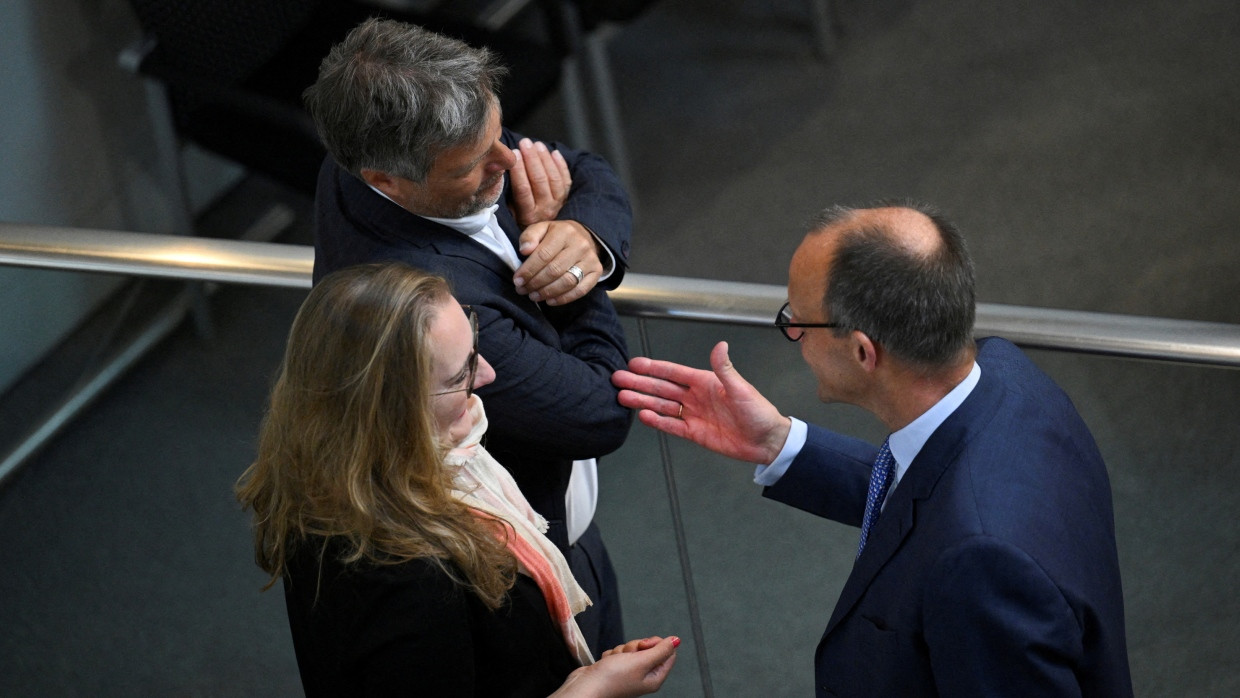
(680, 413)
(577, 273)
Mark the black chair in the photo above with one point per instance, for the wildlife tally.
(578, 30)
(584, 27)
(234, 72)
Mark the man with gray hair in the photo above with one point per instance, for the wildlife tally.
(529, 234)
(987, 562)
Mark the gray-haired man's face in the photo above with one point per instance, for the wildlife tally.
(464, 179)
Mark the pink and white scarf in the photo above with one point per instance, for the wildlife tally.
(481, 483)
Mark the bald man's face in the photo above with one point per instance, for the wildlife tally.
(824, 352)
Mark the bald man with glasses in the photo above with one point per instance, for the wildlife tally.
(986, 563)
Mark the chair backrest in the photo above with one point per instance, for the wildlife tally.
(235, 71)
(594, 12)
(223, 39)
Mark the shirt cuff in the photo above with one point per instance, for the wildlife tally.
(767, 475)
(606, 258)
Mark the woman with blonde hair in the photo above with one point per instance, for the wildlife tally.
(411, 563)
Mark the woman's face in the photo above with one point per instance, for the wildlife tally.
(452, 341)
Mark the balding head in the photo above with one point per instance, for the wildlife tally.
(900, 273)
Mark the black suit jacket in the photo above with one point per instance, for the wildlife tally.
(552, 401)
(410, 630)
(993, 568)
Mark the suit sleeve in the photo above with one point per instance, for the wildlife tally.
(996, 624)
(598, 201)
(556, 401)
(828, 478)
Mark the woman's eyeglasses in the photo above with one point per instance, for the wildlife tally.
(473, 358)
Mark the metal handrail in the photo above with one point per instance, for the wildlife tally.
(642, 295)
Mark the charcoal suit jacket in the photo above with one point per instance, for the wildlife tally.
(552, 401)
(993, 568)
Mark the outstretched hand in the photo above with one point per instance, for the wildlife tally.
(635, 668)
(716, 409)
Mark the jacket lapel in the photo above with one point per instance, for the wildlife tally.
(893, 526)
(941, 451)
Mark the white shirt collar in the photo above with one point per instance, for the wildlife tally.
(907, 442)
(482, 227)
(469, 225)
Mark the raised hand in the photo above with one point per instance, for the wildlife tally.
(716, 409)
(540, 183)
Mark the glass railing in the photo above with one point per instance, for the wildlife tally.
(749, 583)
(767, 576)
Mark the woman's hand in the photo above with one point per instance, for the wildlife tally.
(635, 668)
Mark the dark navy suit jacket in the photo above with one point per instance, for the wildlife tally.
(993, 568)
(552, 401)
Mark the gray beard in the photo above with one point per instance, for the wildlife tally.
(474, 205)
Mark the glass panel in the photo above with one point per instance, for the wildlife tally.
(1168, 434)
(768, 576)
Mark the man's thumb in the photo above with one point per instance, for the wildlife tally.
(721, 362)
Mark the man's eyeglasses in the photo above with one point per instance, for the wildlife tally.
(784, 322)
(473, 358)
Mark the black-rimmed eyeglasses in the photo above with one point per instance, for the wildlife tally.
(473, 358)
(784, 322)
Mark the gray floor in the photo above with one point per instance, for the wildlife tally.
(1089, 150)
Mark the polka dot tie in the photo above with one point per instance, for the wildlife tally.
(880, 480)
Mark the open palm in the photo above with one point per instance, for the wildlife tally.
(721, 410)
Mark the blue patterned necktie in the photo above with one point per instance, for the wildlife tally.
(880, 480)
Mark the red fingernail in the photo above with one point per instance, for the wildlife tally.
(675, 641)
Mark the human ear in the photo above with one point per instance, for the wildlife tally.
(382, 181)
(865, 351)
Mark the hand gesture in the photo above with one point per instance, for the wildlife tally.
(540, 183)
(716, 409)
(635, 668)
(556, 250)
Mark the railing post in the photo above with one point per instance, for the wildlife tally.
(682, 546)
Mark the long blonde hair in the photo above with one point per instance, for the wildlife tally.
(349, 447)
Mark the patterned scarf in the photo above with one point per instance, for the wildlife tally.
(484, 485)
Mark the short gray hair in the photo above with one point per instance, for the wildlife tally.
(919, 307)
(392, 96)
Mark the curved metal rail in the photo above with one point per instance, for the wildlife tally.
(705, 300)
